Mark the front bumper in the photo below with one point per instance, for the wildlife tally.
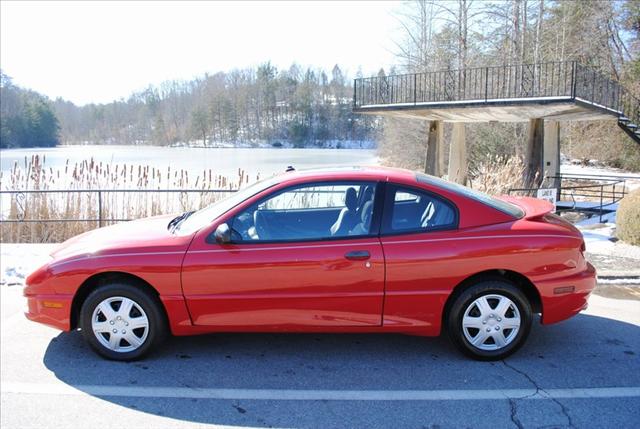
(558, 303)
(51, 310)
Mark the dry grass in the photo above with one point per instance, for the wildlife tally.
(89, 175)
(498, 174)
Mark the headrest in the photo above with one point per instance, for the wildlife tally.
(367, 211)
(351, 199)
(368, 193)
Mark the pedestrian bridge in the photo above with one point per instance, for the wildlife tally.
(536, 93)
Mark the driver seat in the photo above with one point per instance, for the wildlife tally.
(348, 216)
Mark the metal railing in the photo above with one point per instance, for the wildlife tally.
(604, 191)
(495, 84)
(19, 197)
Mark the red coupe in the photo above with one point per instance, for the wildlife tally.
(336, 250)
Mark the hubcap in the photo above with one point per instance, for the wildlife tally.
(491, 322)
(120, 324)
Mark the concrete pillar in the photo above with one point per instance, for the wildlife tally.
(534, 173)
(551, 152)
(434, 158)
(457, 171)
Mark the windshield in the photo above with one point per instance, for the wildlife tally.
(205, 216)
(503, 206)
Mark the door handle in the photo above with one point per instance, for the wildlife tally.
(357, 255)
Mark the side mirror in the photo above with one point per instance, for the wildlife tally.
(223, 234)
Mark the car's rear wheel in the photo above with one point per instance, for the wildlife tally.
(122, 322)
(490, 320)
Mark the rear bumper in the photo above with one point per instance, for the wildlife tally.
(565, 297)
(51, 310)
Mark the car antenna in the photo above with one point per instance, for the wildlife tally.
(290, 168)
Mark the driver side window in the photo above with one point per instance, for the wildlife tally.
(308, 212)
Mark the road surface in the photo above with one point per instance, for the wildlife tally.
(582, 373)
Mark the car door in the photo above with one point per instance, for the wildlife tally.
(302, 257)
(418, 234)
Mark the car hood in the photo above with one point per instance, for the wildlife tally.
(137, 235)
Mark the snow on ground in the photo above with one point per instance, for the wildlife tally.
(600, 240)
(572, 168)
(17, 261)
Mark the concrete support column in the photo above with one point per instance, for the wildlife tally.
(434, 161)
(534, 173)
(458, 154)
(551, 152)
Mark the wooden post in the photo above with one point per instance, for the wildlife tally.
(534, 173)
(458, 154)
(433, 162)
(551, 153)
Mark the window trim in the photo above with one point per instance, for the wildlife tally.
(375, 219)
(392, 188)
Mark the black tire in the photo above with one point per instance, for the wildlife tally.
(465, 302)
(144, 305)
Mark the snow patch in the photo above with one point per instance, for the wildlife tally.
(632, 180)
(17, 261)
(600, 240)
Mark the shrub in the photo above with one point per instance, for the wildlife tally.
(628, 218)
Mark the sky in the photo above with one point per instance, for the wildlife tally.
(101, 51)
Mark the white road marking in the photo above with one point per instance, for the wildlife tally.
(316, 395)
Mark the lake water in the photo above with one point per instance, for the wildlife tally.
(223, 161)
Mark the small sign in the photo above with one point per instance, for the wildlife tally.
(548, 194)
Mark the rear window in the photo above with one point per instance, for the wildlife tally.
(503, 206)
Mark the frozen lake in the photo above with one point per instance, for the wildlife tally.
(223, 161)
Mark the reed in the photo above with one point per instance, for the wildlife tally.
(33, 174)
(499, 174)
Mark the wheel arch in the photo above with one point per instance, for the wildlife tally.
(519, 280)
(99, 279)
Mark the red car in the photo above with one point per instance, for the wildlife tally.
(338, 250)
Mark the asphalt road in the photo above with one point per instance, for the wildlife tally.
(582, 373)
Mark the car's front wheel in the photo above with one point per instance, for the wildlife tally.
(490, 320)
(121, 321)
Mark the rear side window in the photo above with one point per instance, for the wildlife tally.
(413, 210)
(503, 206)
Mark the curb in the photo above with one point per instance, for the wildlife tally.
(613, 274)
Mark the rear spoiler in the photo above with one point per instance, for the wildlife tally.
(533, 207)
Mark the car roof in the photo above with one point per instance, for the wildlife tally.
(349, 172)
